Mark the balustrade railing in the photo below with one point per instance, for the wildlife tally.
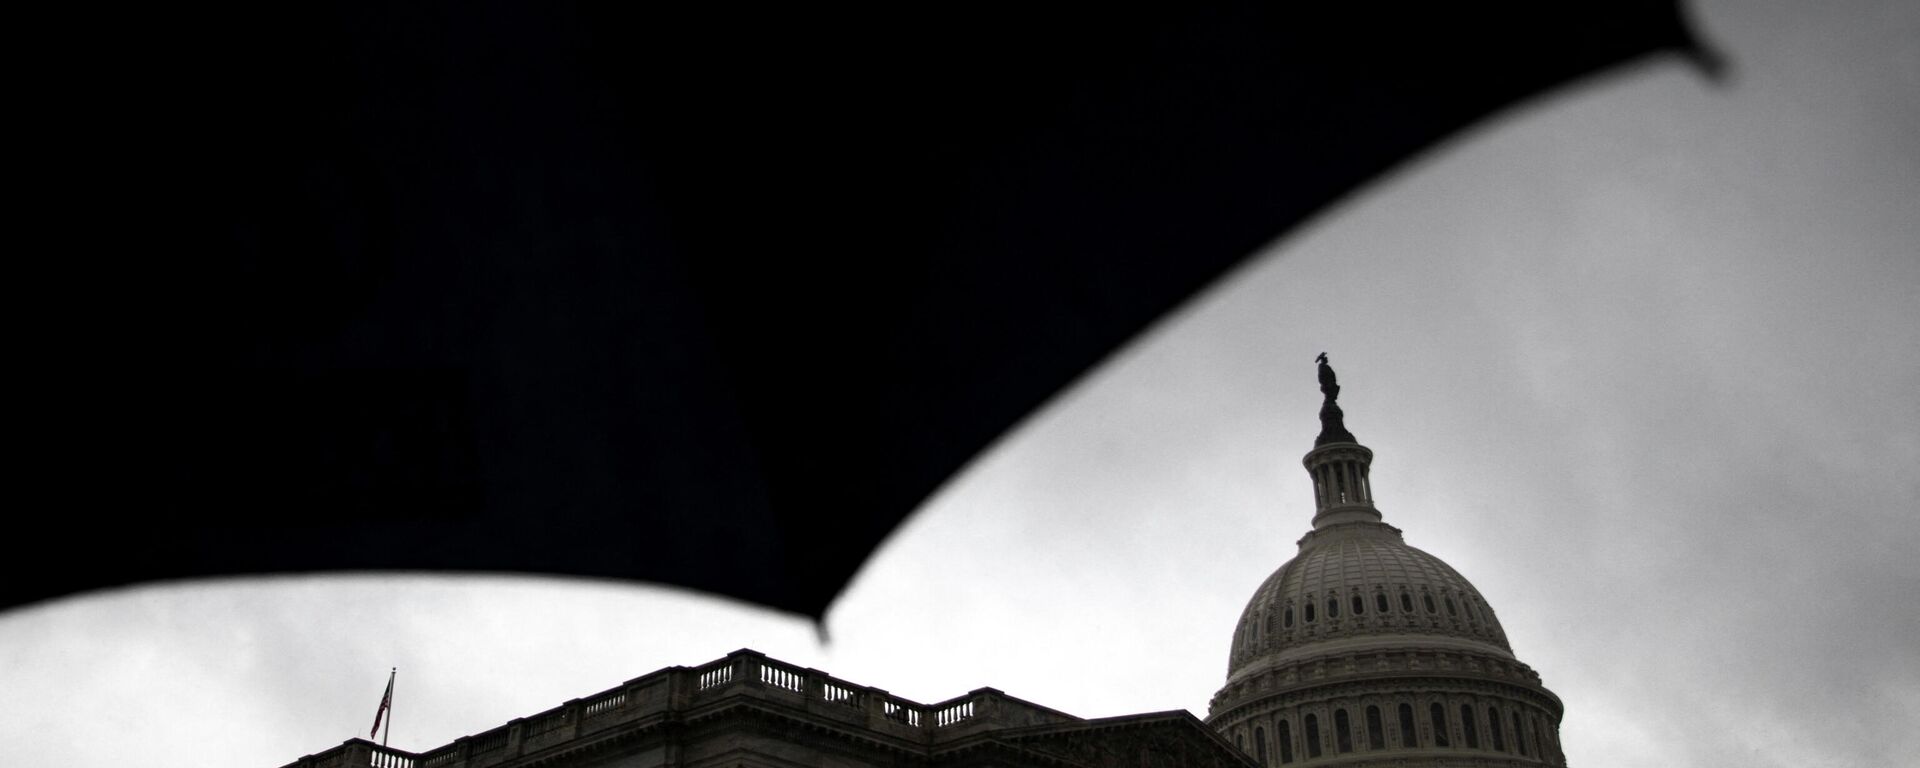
(444, 756)
(781, 676)
(717, 676)
(605, 703)
(901, 713)
(952, 714)
(542, 725)
(836, 693)
(329, 759)
(493, 741)
(383, 757)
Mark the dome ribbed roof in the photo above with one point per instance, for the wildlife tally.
(1359, 584)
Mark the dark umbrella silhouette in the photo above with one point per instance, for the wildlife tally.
(711, 299)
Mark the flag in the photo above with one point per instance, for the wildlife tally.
(386, 701)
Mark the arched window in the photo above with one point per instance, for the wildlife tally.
(1286, 742)
(1466, 727)
(1407, 738)
(1493, 727)
(1342, 731)
(1309, 613)
(1439, 716)
(1406, 602)
(1287, 621)
(1260, 745)
(1380, 602)
(1519, 733)
(1333, 607)
(1313, 737)
(1450, 610)
(1376, 733)
(1429, 601)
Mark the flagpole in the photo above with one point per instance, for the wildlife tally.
(392, 675)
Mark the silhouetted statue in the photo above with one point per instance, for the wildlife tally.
(1333, 428)
(1329, 384)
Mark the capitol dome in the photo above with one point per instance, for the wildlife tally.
(1362, 650)
(1355, 585)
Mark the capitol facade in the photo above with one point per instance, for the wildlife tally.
(1360, 651)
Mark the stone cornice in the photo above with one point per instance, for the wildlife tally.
(1387, 687)
(1415, 665)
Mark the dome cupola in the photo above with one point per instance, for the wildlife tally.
(1364, 650)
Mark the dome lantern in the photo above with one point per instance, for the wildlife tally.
(1338, 463)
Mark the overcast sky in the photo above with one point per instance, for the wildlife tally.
(1639, 359)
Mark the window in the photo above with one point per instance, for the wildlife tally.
(1466, 727)
(1376, 735)
(1286, 742)
(1260, 745)
(1309, 612)
(1406, 727)
(1380, 602)
(1359, 605)
(1519, 734)
(1342, 731)
(1450, 609)
(1313, 737)
(1287, 621)
(1333, 607)
(1493, 727)
(1240, 740)
(1537, 749)
(1406, 602)
(1429, 601)
(1439, 715)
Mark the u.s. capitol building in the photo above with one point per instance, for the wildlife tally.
(1359, 651)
